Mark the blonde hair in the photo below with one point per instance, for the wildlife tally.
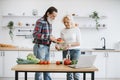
(69, 17)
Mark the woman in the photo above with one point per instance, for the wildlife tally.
(71, 37)
(43, 38)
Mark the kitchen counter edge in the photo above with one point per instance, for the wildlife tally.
(30, 49)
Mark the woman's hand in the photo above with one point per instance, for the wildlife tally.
(68, 46)
(57, 47)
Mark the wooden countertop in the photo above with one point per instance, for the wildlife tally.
(15, 49)
(91, 50)
(30, 49)
(50, 67)
(19, 49)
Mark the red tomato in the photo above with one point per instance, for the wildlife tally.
(58, 62)
(48, 62)
(41, 62)
(59, 39)
(45, 62)
(67, 62)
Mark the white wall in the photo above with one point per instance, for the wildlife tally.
(90, 37)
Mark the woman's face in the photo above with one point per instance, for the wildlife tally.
(67, 23)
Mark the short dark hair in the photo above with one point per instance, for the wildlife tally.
(50, 10)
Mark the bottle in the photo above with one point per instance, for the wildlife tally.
(34, 12)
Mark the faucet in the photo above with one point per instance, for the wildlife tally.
(104, 46)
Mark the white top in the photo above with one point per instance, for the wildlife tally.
(71, 35)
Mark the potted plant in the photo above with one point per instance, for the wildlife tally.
(95, 16)
(10, 26)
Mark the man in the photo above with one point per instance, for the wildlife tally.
(43, 38)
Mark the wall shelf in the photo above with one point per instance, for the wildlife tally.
(92, 27)
(21, 27)
(85, 22)
(24, 27)
(87, 17)
(29, 16)
(23, 24)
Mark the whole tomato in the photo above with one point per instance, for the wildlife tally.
(58, 62)
(48, 62)
(67, 62)
(45, 62)
(59, 39)
(41, 62)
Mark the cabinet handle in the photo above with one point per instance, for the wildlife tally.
(104, 54)
(107, 55)
(3, 53)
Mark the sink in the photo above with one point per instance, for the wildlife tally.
(102, 49)
(98, 48)
(109, 49)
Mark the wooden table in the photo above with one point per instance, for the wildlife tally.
(52, 68)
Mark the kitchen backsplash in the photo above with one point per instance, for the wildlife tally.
(90, 38)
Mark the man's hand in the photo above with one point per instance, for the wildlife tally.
(53, 39)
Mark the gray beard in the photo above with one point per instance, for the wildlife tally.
(50, 21)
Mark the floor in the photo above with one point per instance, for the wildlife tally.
(52, 79)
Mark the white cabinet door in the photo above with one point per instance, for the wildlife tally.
(1, 63)
(55, 56)
(113, 65)
(100, 64)
(23, 54)
(10, 58)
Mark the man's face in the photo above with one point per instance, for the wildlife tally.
(53, 15)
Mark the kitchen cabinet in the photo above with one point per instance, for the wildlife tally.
(23, 54)
(108, 64)
(113, 65)
(7, 61)
(100, 63)
(56, 56)
(1, 64)
(0, 20)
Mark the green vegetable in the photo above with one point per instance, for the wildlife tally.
(31, 56)
(31, 59)
(23, 61)
(74, 62)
